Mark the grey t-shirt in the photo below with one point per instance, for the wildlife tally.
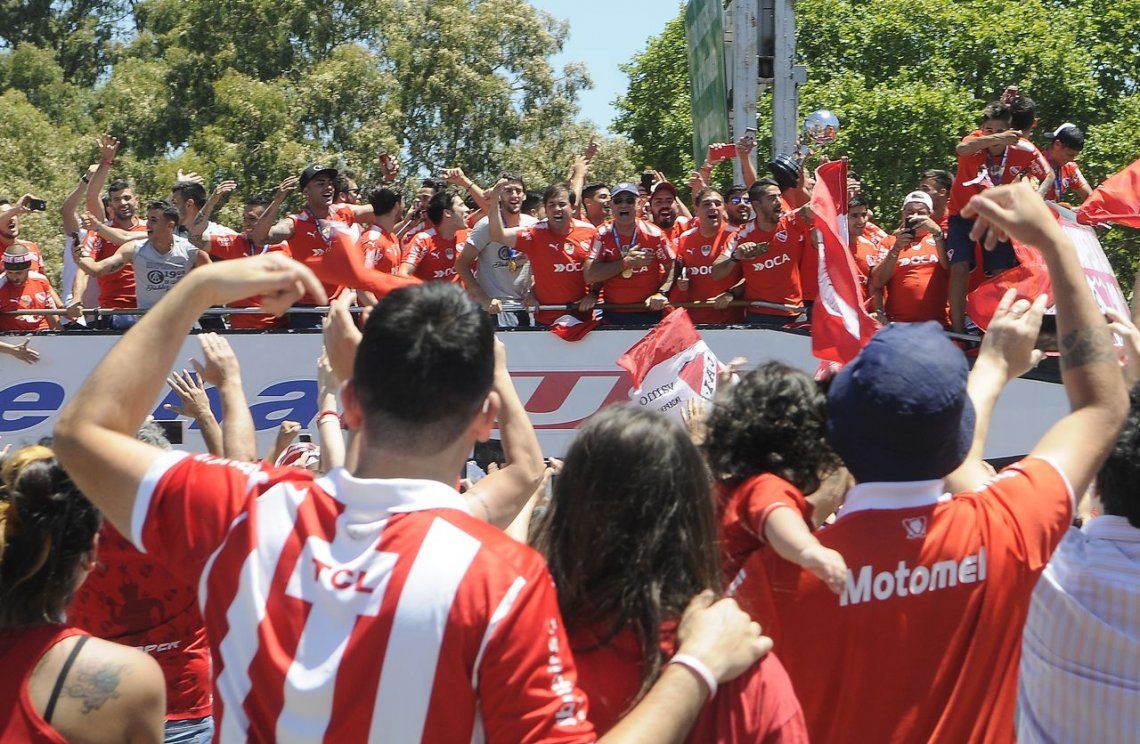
(494, 270)
(156, 273)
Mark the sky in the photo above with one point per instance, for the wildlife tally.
(603, 35)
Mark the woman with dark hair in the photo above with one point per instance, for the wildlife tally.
(60, 685)
(630, 537)
(766, 448)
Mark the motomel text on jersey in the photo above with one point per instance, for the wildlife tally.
(906, 581)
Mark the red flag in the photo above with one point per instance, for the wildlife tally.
(1030, 278)
(1116, 200)
(840, 327)
(671, 365)
(343, 265)
(570, 327)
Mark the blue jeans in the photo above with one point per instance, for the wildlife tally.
(190, 731)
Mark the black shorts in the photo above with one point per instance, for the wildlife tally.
(960, 249)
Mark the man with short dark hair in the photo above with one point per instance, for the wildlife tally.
(379, 244)
(993, 155)
(500, 267)
(228, 246)
(372, 604)
(936, 183)
(119, 207)
(188, 197)
(1065, 143)
(321, 226)
(596, 203)
(663, 210)
(939, 585)
(10, 233)
(432, 252)
(697, 250)
(738, 206)
(768, 250)
(159, 261)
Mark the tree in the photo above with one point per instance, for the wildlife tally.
(655, 113)
(908, 78)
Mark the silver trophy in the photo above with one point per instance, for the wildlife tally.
(820, 128)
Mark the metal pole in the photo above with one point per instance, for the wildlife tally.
(786, 78)
(745, 70)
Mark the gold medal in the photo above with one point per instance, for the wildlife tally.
(627, 273)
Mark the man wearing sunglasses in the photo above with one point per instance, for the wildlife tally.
(633, 259)
(738, 207)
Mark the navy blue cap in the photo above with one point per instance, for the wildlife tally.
(899, 411)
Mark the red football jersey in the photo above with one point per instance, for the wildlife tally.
(697, 254)
(21, 650)
(924, 641)
(434, 256)
(556, 263)
(758, 706)
(341, 609)
(117, 289)
(643, 282)
(233, 245)
(312, 237)
(746, 557)
(867, 255)
(1021, 158)
(132, 600)
(774, 275)
(919, 287)
(381, 250)
(34, 294)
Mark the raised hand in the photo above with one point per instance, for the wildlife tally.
(108, 147)
(221, 363)
(191, 393)
(287, 186)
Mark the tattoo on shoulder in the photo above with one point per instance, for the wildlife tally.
(94, 684)
(1087, 346)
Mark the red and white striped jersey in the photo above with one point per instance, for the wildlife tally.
(341, 609)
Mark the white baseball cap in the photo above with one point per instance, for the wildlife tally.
(919, 197)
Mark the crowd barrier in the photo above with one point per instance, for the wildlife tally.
(561, 383)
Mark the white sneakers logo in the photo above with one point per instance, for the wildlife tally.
(905, 581)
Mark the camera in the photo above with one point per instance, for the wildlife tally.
(37, 205)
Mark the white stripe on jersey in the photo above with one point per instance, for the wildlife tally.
(500, 613)
(327, 576)
(418, 626)
(276, 514)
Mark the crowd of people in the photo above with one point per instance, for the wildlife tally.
(742, 254)
(830, 560)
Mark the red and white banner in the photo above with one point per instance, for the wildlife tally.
(1031, 277)
(670, 366)
(840, 326)
(560, 384)
(570, 327)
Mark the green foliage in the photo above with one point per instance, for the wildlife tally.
(655, 112)
(908, 79)
(254, 89)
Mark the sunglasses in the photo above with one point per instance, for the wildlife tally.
(623, 200)
(740, 200)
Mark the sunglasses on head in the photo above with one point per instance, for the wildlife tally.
(623, 200)
(740, 200)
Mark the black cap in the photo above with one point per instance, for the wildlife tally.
(786, 170)
(315, 170)
(1069, 135)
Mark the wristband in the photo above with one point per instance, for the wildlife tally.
(106, 162)
(322, 414)
(697, 667)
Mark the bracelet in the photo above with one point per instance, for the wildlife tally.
(106, 162)
(697, 667)
(322, 414)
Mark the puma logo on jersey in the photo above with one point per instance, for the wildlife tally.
(906, 581)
